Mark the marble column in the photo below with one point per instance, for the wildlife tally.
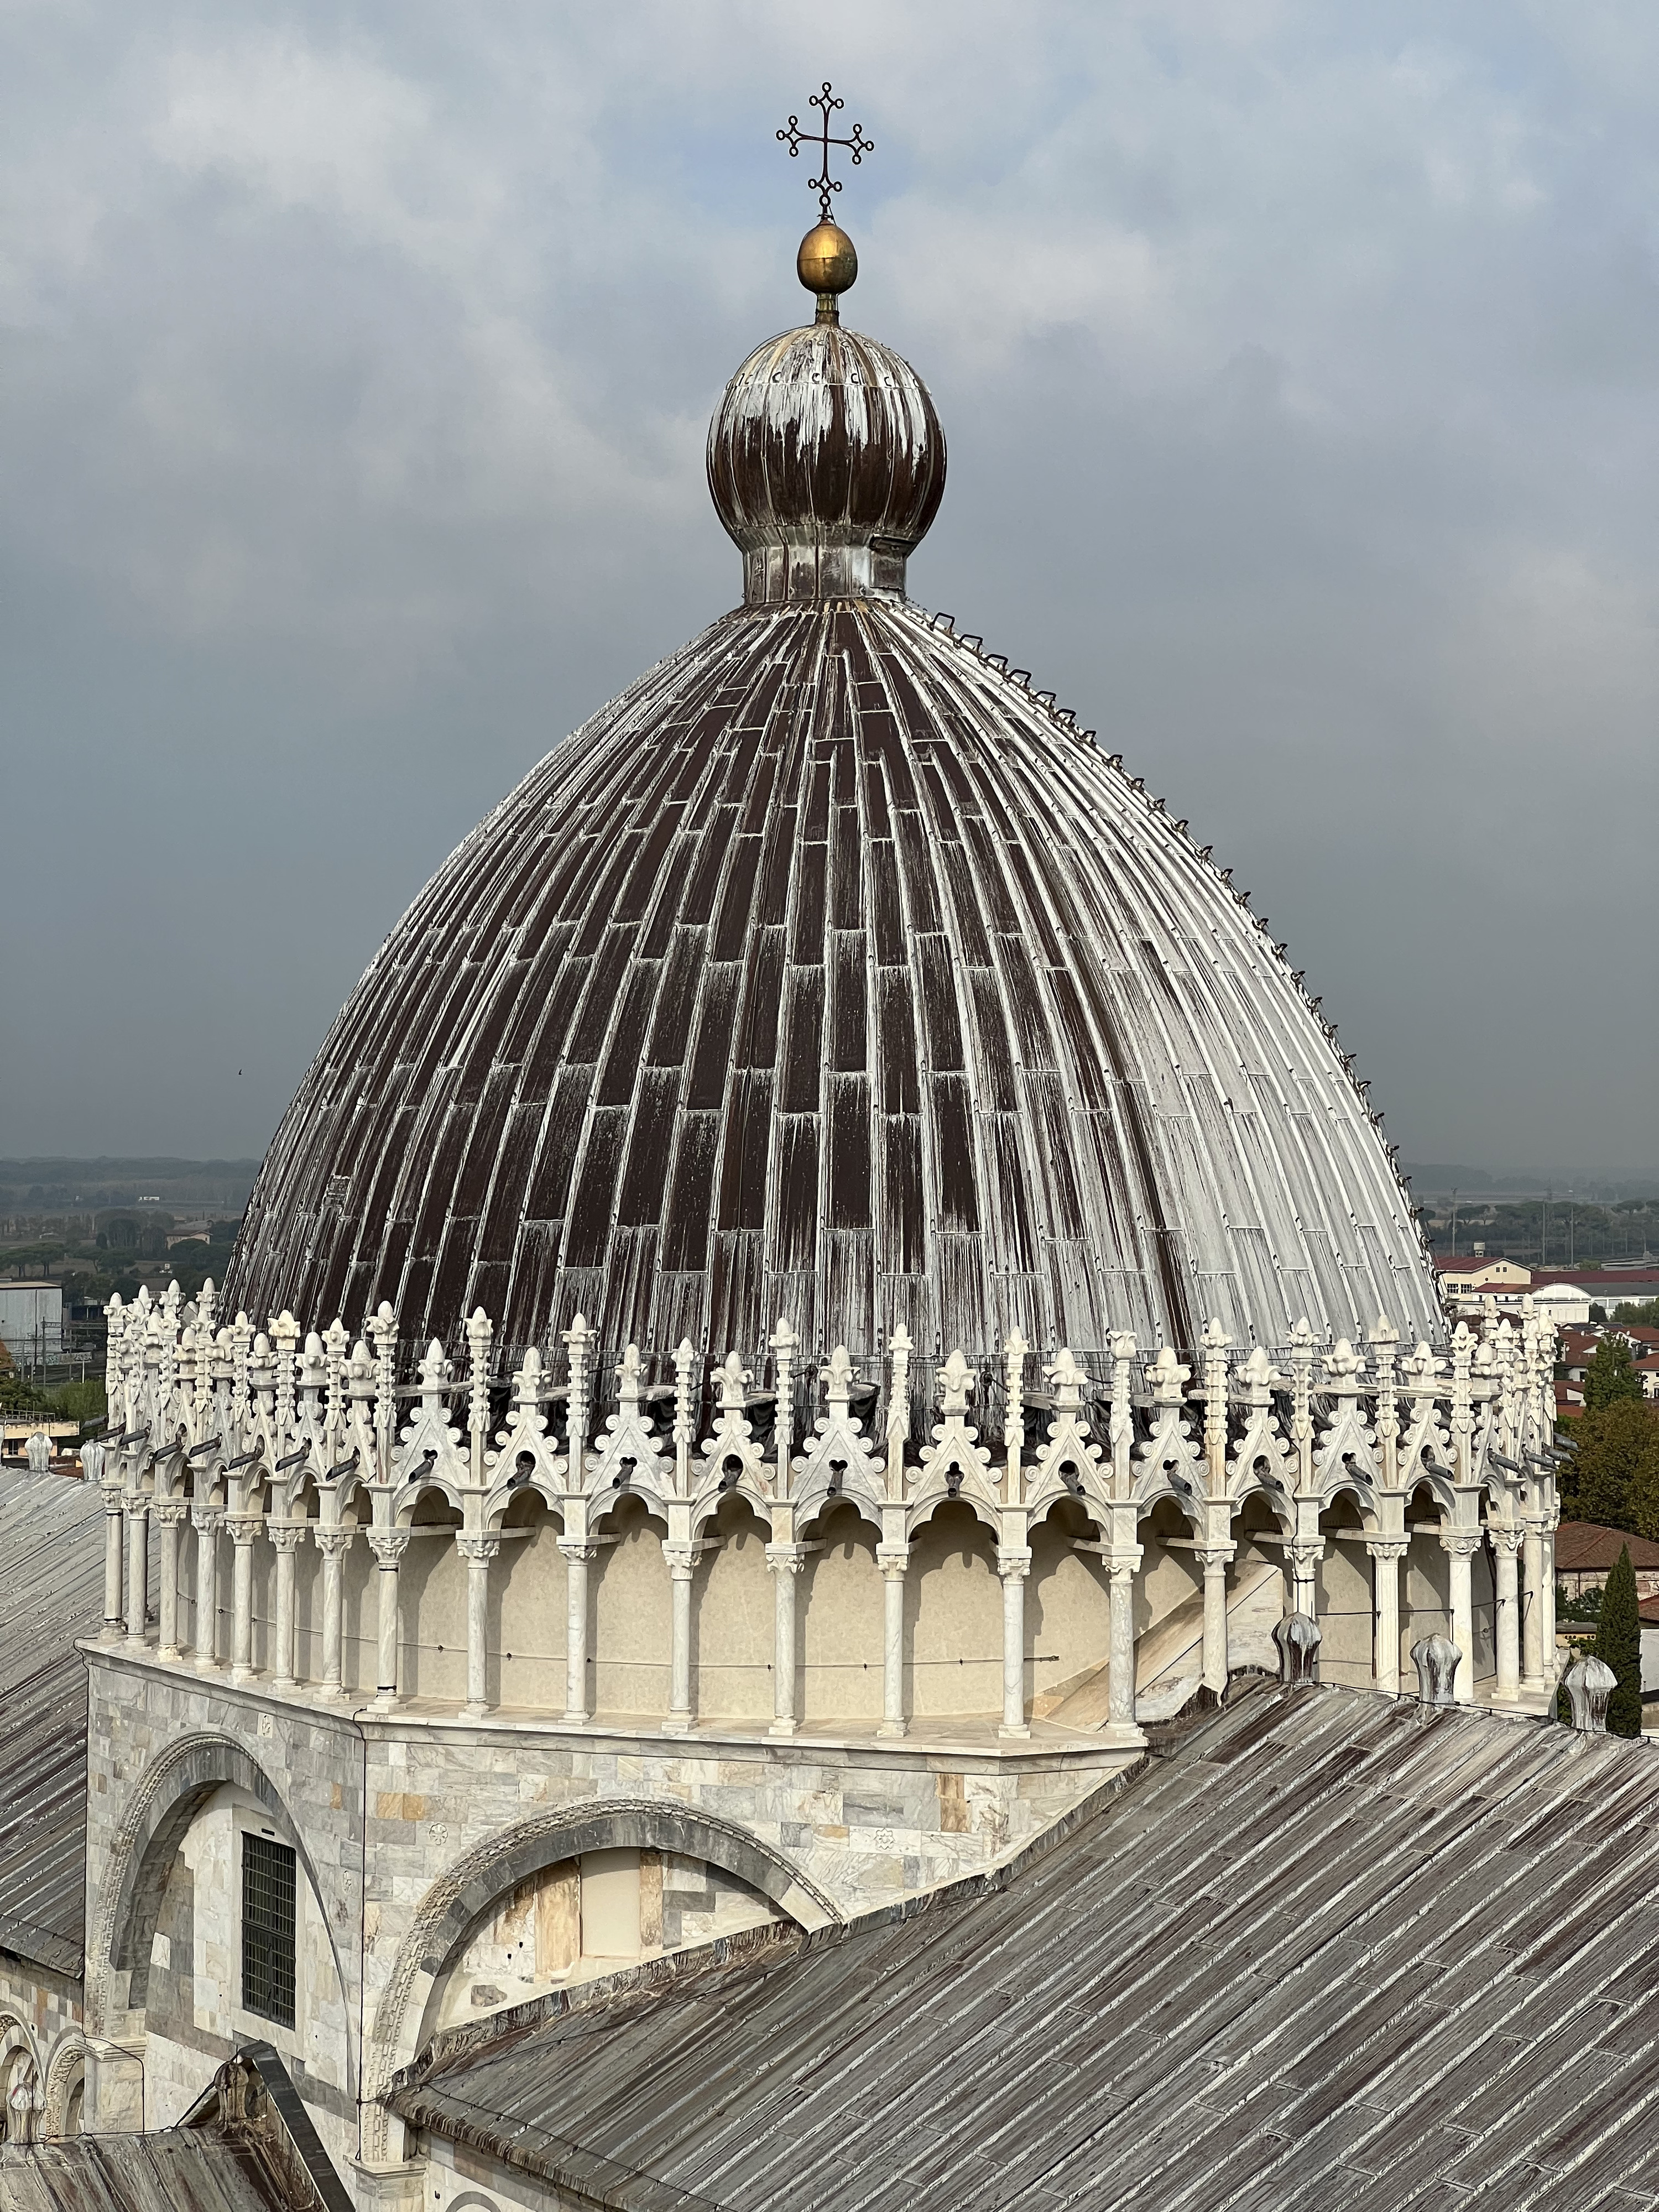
(682, 1561)
(1459, 1550)
(331, 1543)
(1532, 1618)
(114, 1562)
(477, 1550)
(1304, 1577)
(207, 1520)
(137, 1508)
(388, 1545)
(243, 1529)
(578, 1558)
(1121, 1686)
(894, 1561)
(286, 1536)
(1506, 1547)
(1013, 1566)
(168, 1514)
(786, 1561)
(1387, 1552)
(1552, 1657)
(1215, 1558)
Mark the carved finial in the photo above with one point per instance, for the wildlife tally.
(957, 1379)
(1344, 1364)
(1167, 1376)
(1070, 1381)
(734, 1379)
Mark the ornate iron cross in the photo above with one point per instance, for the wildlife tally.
(794, 138)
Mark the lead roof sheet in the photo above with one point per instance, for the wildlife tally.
(1396, 1993)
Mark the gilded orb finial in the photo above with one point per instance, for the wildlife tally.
(826, 263)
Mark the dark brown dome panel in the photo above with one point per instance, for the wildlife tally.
(826, 974)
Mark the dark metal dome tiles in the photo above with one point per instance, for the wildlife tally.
(826, 974)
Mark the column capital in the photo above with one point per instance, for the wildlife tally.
(286, 1536)
(1460, 1543)
(243, 1527)
(1013, 1561)
(1387, 1547)
(682, 1560)
(332, 1540)
(476, 1547)
(893, 1558)
(785, 1559)
(1212, 1556)
(1306, 1552)
(388, 1545)
(169, 1512)
(582, 1549)
(1506, 1538)
(207, 1520)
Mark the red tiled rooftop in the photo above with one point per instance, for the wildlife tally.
(1585, 1547)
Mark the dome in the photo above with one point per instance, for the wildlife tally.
(831, 973)
(826, 462)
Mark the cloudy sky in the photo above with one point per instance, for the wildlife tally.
(1300, 365)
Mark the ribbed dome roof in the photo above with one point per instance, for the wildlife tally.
(827, 973)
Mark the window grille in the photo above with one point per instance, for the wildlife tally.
(268, 1930)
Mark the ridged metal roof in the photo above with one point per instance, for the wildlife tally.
(828, 973)
(170, 2172)
(247, 2145)
(52, 1590)
(1334, 1951)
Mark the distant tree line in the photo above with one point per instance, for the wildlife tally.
(1543, 1232)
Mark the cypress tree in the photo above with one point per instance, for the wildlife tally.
(1619, 1642)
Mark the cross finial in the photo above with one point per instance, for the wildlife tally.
(794, 138)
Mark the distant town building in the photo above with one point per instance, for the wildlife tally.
(1565, 1296)
(32, 1320)
(1586, 1554)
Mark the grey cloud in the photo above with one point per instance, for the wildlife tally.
(1299, 373)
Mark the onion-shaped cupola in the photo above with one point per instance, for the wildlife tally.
(826, 460)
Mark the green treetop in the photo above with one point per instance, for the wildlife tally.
(1614, 1476)
(1610, 1376)
(1619, 1642)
